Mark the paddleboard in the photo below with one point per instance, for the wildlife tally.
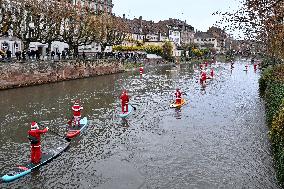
(174, 105)
(29, 167)
(76, 130)
(125, 115)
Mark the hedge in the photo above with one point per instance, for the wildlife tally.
(271, 85)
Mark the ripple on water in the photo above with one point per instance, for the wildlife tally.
(218, 140)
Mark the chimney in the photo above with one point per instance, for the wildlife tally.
(140, 21)
(124, 16)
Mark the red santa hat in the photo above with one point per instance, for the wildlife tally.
(34, 125)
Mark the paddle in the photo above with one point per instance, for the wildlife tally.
(134, 108)
(67, 139)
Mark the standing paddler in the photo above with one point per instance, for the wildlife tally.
(141, 70)
(124, 101)
(178, 96)
(34, 137)
(77, 112)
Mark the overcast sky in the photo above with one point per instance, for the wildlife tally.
(197, 13)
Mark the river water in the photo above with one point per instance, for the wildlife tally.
(217, 140)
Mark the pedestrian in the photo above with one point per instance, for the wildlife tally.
(58, 54)
(34, 137)
(29, 54)
(84, 55)
(17, 55)
(52, 55)
(23, 55)
(63, 55)
(37, 53)
(9, 54)
(33, 53)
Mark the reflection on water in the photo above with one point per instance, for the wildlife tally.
(217, 140)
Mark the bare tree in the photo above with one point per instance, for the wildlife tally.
(261, 22)
(112, 30)
(79, 27)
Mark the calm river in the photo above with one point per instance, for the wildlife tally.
(218, 140)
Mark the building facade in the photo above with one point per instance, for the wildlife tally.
(206, 40)
(12, 44)
(97, 6)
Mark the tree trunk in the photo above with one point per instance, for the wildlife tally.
(49, 48)
(75, 50)
(26, 45)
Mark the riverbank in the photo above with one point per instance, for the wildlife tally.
(14, 75)
(271, 86)
(23, 74)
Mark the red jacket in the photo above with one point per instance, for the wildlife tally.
(77, 110)
(36, 134)
(203, 76)
(212, 73)
(178, 94)
(124, 98)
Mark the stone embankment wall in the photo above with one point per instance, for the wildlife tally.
(14, 75)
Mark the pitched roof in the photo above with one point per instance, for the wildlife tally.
(203, 35)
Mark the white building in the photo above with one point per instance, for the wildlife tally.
(137, 37)
(175, 36)
(152, 37)
(93, 48)
(56, 46)
(205, 40)
(10, 43)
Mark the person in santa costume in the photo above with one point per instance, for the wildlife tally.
(203, 78)
(141, 70)
(178, 96)
(124, 101)
(34, 137)
(212, 72)
(77, 112)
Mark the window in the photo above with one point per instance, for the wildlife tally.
(5, 45)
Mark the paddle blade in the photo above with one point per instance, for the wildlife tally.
(67, 139)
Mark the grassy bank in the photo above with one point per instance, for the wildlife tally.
(271, 86)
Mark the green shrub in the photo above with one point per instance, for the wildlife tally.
(273, 97)
(271, 84)
(277, 139)
(265, 78)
